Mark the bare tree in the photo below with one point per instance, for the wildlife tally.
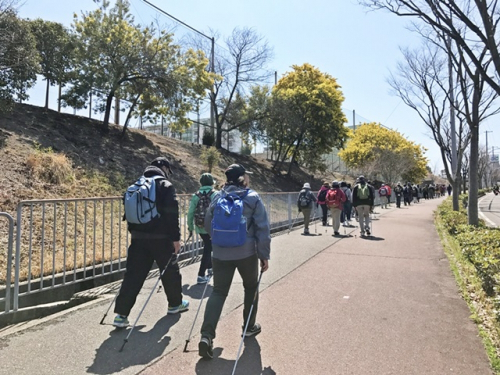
(420, 84)
(477, 105)
(471, 24)
(240, 64)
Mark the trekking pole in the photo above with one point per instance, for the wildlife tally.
(293, 223)
(246, 324)
(196, 316)
(180, 252)
(109, 307)
(314, 219)
(172, 260)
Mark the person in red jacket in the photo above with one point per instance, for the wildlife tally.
(385, 195)
(322, 201)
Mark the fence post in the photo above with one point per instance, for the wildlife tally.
(18, 256)
(9, 259)
(289, 209)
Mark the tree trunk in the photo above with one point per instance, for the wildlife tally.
(218, 136)
(129, 115)
(473, 215)
(59, 99)
(109, 101)
(47, 94)
(294, 155)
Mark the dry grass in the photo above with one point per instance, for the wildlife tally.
(50, 167)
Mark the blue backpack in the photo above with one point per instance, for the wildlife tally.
(140, 201)
(229, 225)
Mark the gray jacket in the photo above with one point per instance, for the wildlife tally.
(258, 235)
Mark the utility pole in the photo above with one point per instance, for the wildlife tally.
(487, 157)
(353, 120)
(452, 117)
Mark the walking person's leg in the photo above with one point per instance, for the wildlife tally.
(206, 259)
(324, 208)
(139, 262)
(171, 279)
(360, 210)
(336, 220)
(307, 218)
(223, 277)
(348, 208)
(248, 269)
(367, 219)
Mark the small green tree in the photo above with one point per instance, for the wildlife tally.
(210, 157)
(208, 138)
(246, 149)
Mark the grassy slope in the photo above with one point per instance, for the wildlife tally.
(105, 163)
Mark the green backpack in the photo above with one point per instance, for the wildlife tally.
(363, 191)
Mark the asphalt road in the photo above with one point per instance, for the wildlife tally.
(489, 209)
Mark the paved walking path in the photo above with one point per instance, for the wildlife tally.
(384, 305)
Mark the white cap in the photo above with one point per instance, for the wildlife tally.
(306, 186)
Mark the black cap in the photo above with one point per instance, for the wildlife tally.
(162, 162)
(234, 171)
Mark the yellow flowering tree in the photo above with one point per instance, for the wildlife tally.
(385, 154)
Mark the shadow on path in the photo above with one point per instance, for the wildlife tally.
(250, 362)
(195, 291)
(142, 348)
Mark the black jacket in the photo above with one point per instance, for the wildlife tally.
(167, 225)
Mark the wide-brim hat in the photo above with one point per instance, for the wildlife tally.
(306, 186)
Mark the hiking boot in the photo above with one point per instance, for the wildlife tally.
(202, 280)
(306, 232)
(120, 321)
(205, 348)
(210, 272)
(336, 233)
(184, 306)
(252, 331)
(368, 232)
(362, 234)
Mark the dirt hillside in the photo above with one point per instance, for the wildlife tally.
(111, 162)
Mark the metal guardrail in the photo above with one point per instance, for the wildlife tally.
(61, 242)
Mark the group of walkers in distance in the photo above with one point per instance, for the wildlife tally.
(344, 201)
(235, 230)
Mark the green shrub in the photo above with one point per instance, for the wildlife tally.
(452, 220)
(208, 138)
(482, 247)
(246, 150)
(210, 157)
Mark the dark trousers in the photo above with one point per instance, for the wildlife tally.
(248, 269)
(398, 201)
(141, 255)
(346, 211)
(206, 259)
(324, 209)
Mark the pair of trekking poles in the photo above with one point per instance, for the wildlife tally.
(172, 260)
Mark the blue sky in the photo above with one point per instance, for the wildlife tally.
(339, 37)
